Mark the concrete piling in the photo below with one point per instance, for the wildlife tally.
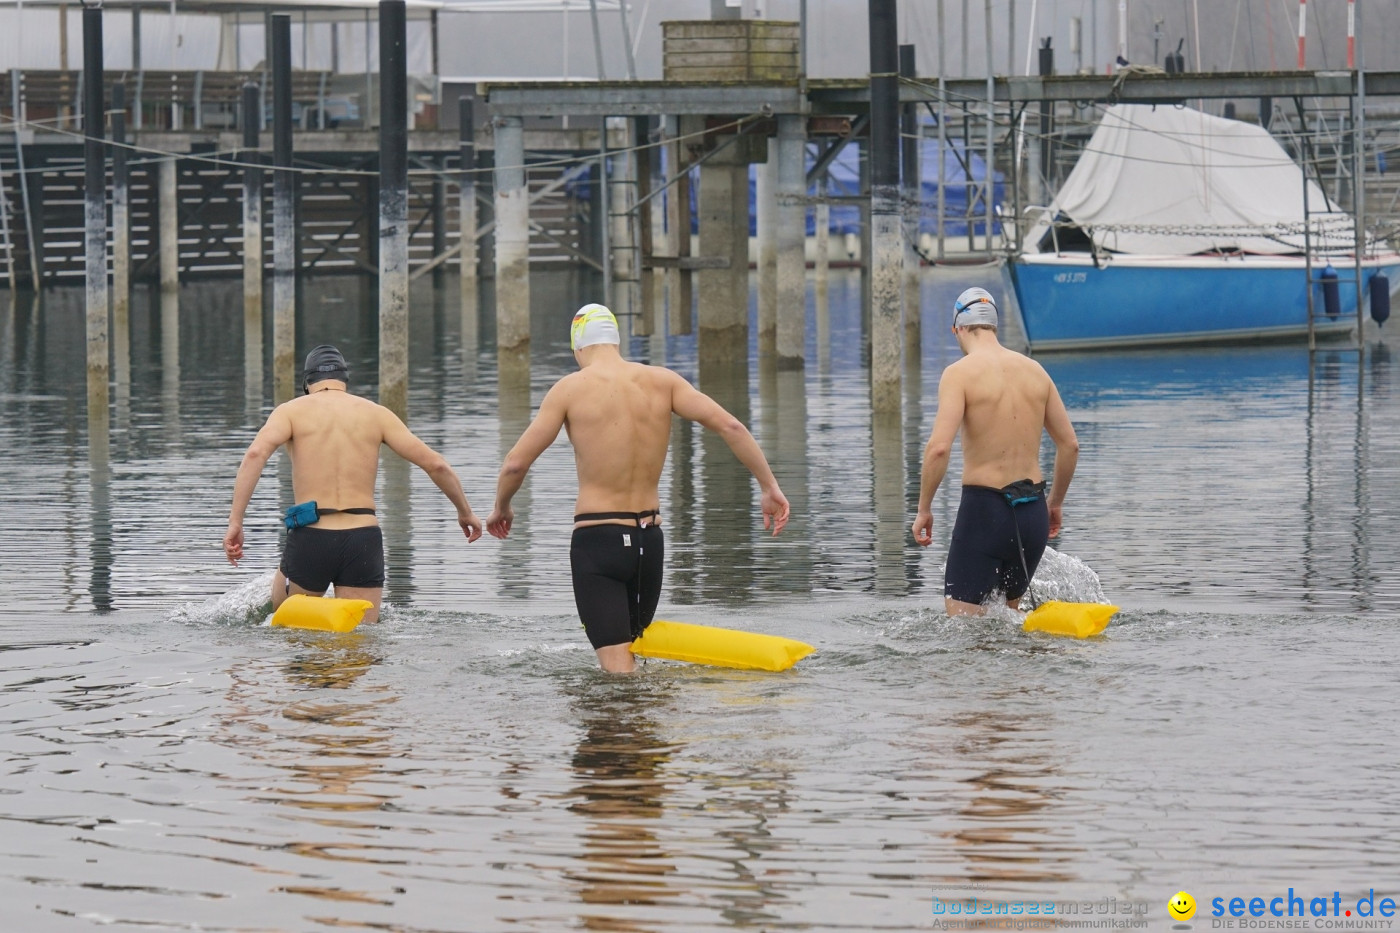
(791, 271)
(393, 207)
(512, 238)
(723, 290)
(887, 252)
(466, 208)
(283, 216)
(766, 227)
(95, 213)
(252, 242)
(121, 244)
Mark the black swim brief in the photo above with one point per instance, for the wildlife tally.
(983, 555)
(314, 558)
(617, 580)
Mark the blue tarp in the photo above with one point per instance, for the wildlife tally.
(844, 175)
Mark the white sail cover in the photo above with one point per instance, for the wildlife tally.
(1168, 180)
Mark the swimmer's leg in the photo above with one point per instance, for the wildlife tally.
(617, 659)
(282, 588)
(374, 594)
(956, 607)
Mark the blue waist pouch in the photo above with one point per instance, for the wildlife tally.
(303, 513)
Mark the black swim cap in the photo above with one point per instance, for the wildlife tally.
(324, 362)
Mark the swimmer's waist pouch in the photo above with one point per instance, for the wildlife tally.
(306, 513)
(1023, 492)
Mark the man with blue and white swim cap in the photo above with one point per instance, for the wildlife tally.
(618, 416)
(1000, 401)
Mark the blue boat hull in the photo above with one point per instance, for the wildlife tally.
(1068, 303)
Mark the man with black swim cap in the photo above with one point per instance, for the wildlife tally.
(618, 415)
(333, 440)
(1000, 401)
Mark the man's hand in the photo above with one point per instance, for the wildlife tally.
(775, 509)
(923, 528)
(471, 526)
(499, 521)
(1056, 516)
(233, 543)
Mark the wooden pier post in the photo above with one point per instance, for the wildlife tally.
(393, 207)
(251, 118)
(680, 295)
(284, 272)
(512, 238)
(791, 260)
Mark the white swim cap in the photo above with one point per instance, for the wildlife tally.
(593, 323)
(975, 306)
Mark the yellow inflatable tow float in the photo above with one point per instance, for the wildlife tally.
(719, 647)
(321, 613)
(1077, 620)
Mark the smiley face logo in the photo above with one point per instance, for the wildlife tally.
(1182, 906)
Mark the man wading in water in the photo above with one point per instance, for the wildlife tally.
(618, 416)
(333, 438)
(1001, 400)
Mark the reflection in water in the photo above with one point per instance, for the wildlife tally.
(397, 524)
(328, 753)
(170, 363)
(99, 484)
(1007, 833)
(725, 497)
(887, 455)
(513, 394)
(471, 330)
(783, 395)
(620, 788)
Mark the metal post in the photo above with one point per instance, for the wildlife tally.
(604, 212)
(252, 241)
(95, 211)
(597, 42)
(121, 240)
(283, 215)
(791, 271)
(466, 193)
(887, 257)
(942, 136)
(513, 237)
(620, 206)
(30, 229)
(909, 159)
(137, 118)
(644, 322)
(393, 207)
(989, 185)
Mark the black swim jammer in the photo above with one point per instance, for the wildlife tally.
(314, 558)
(983, 556)
(617, 580)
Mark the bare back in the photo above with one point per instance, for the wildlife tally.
(334, 449)
(1005, 399)
(618, 416)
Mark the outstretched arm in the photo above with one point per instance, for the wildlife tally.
(952, 403)
(692, 404)
(535, 441)
(406, 444)
(276, 432)
(1061, 431)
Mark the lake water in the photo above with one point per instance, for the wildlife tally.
(168, 763)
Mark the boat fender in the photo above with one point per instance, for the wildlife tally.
(1380, 298)
(1331, 293)
(322, 613)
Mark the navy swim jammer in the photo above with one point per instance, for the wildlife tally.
(983, 556)
(314, 558)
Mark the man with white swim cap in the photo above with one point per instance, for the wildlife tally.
(1000, 401)
(333, 440)
(618, 417)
